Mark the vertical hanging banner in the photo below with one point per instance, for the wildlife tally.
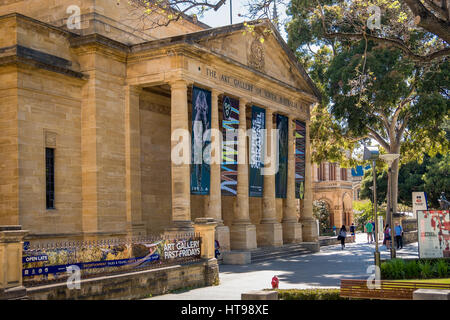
(281, 175)
(201, 141)
(256, 180)
(300, 147)
(230, 124)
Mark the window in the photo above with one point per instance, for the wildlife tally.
(321, 172)
(50, 177)
(332, 173)
(343, 174)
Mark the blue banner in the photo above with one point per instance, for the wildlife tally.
(132, 262)
(256, 181)
(201, 141)
(281, 175)
(300, 149)
(230, 124)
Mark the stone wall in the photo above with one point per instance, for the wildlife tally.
(409, 231)
(135, 285)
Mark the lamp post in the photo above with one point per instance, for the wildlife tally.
(372, 153)
(390, 158)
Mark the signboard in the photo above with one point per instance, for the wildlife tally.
(419, 202)
(256, 180)
(230, 125)
(281, 175)
(201, 141)
(434, 233)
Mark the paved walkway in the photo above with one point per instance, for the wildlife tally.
(321, 269)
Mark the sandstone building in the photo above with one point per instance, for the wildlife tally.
(87, 115)
(334, 185)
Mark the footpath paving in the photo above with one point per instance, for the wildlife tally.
(323, 269)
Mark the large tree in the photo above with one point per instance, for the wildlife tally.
(373, 87)
(432, 175)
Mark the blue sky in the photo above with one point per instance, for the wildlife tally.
(221, 17)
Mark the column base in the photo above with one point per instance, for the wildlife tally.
(242, 237)
(269, 234)
(309, 230)
(292, 232)
(179, 228)
(222, 234)
(137, 229)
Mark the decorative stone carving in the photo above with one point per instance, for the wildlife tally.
(50, 139)
(256, 55)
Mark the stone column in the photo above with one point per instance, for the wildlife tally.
(242, 232)
(11, 246)
(269, 231)
(309, 225)
(213, 203)
(135, 225)
(292, 230)
(180, 166)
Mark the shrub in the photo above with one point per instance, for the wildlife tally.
(412, 270)
(309, 294)
(415, 269)
(398, 269)
(426, 270)
(441, 268)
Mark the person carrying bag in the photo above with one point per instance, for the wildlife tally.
(342, 235)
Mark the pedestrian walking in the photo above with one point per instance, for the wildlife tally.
(369, 230)
(334, 230)
(352, 231)
(342, 235)
(398, 235)
(373, 231)
(387, 236)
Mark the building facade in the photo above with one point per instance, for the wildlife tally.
(88, 118)
(334, 185)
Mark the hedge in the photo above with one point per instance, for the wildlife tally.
(396, 269)
(309, 294)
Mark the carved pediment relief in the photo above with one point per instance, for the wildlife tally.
(256, 55)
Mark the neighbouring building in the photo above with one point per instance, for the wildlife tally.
(333, 185)
(88, 116)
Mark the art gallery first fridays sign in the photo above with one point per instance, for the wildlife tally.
(434, 233)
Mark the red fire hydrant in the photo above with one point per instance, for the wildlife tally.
(275, 282)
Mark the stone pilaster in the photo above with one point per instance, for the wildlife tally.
(181, 193)
(269, 231)
(213, 203)
(205, 228)
(11, 248)
(309, 224)
(135, 224)
(242, 232)
(292, 230)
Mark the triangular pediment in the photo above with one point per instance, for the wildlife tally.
(269, 56)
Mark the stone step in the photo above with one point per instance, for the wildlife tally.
(272, 253)
(278, 256)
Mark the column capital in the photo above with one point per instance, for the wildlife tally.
(180, 83)
(269, 110)
(134, 89)
(243, 101)
(216, 92)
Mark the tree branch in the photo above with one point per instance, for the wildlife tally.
(397, 43)
(378, 138)
(429, 21)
